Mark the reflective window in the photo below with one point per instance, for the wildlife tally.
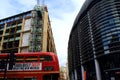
(107, 51)
(119, 39)
(109, 34)
(119, 35)
(31, 59)
(112, 22)
(106, 47)
(19, 59)
(118, 28)
(107, 38)
(46, 58)
(106, 42)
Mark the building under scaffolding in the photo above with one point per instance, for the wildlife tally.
(27, 32)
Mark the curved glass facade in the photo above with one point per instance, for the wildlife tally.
(95, 41)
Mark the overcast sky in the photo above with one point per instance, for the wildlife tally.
(62, 14)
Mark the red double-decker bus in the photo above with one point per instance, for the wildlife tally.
(32, 66)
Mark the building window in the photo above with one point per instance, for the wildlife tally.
(107, 51)
(106, 47)
(106, 42)
(112, 22)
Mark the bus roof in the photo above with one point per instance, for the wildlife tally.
(29, 54)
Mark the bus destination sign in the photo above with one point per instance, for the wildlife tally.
(27, 66)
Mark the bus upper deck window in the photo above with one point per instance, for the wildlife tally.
(30, 79)
(19, 58)
(13, 79)
(31, 59)
(46, 58)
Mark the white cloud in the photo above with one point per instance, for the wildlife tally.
(6, 9)
(26, 4)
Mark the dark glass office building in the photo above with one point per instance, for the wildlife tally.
(94, 42)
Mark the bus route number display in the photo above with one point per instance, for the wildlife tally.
(27, 66)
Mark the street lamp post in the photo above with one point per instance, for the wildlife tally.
(4, 62)
(5, 69)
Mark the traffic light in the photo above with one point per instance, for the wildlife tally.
(12, 60)
(2, 64)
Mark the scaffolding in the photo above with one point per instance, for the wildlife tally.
(36, 30)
